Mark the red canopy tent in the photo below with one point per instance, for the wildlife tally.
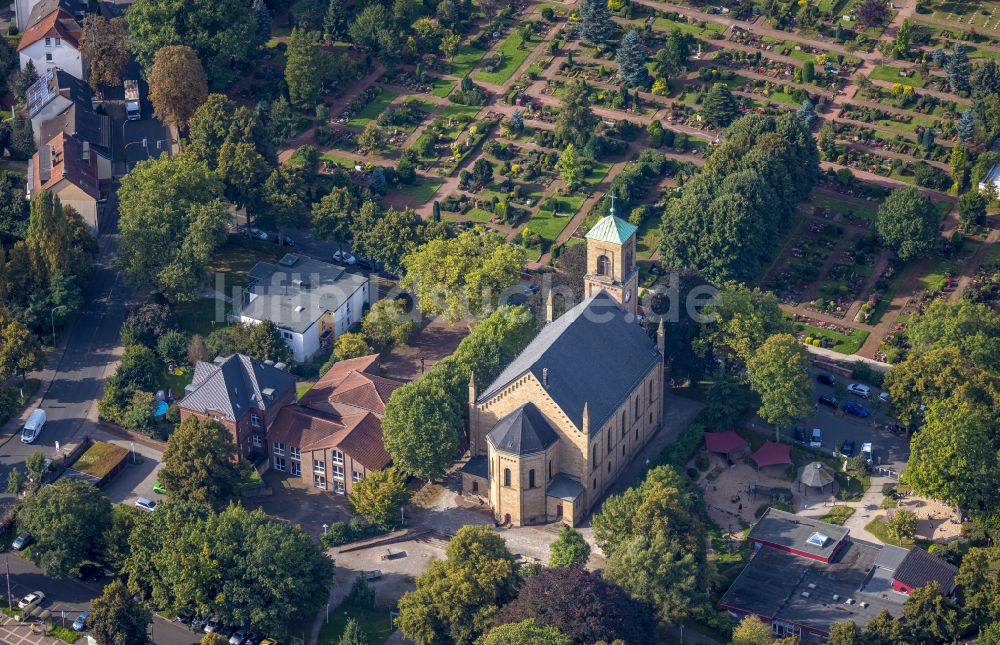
(772, 454)
(723, 442)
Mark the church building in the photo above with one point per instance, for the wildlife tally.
(555, 430)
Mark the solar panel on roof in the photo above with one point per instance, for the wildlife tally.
(41, 92)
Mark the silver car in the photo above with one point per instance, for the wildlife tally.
(80, 623)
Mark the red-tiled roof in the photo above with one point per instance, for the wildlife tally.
(363, 442)
(351, 384)
(62, 158)
(58, 24)
(295, 426)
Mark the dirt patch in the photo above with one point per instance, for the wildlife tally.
(436, 340)
(729, 503)
(936, 522)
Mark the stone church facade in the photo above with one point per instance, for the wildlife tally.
(554, 431)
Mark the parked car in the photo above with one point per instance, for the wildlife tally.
(239, 636)
(859, 389)
(259, 234)
(21, 541)
(80, 623)
(284, 239)
(799, 434)
(198, 622)
(90, 572)
(144, 504)
(365, 263)
(883, 397)
(817, 438)
(211, 626)
(31, 600)
(866, 452)
(343, 257)
(829, 401)
(159, 488)
(847, 448)
(826, 379)
(856, 409)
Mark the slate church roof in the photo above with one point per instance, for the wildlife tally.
(523, 432)
(593, 354)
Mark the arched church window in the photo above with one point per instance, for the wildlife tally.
(603, 265)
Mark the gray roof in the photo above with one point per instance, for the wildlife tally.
(890, 557)
(522, 432)
(235, 385)
(593, 354)
(774, 581)
(55, 82)
(45, 7)
(477, 467)
(920, 567)
(78, 119)
(793, 532)
(564, 487)
(297, 291)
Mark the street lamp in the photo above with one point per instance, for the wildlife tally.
(325, 527)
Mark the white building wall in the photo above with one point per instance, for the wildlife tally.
(64, 56)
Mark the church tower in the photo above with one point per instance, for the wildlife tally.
(611, 261)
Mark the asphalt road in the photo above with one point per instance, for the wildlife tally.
(93, 337)
(70, 596)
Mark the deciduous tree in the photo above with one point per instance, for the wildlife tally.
(456, 599)
(67, 520)
(929, 616)
(116, 619)
(350, 345)
(581, 605)
(907, 223)
(103, 45)
(462, 276)
(526, 632)
(972, 327)
(386, 324)
(751, 631)
(20, 351)
(779, 373)
(177, 84)
(571, 168)
(569, 549)
(199, 465)
(872, 13)
(379, 496)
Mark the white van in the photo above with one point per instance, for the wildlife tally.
(866, 452)
(33, 426)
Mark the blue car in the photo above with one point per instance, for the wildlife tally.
(858, 410)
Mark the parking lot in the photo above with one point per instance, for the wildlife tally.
(890, 450)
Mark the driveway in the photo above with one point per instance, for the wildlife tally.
(296, 503)
(137, 479)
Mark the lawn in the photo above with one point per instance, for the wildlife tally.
(549, 224)
(65, 634)
(877, 528)
(843, 207)
(711, 30)
(343, 162)
(441, 87)
(302, 387)
(647, 239)
(456, 110)
(423, 190)
(373, 109)
(465, 59)
(239, 255)
(177, 380)
(838, 514)
(514, 51)
(201, 316)
(842, 343)
(374, 622)
(598, 171)
(891, 75)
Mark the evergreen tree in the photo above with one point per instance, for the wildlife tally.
(595, 21)
(516, 123)
(720, 106)
(966, 126)
(353, 634)
(576, 120)
(333, 20)
(631, 59)
(959, 69)
(939, 57)
(263, 19)
(807, 113)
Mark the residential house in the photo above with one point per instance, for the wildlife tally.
(558, 426)
(53, 93)
(66, 166)
(90, 128)
(51, 37)
(806, 574)
(311, 302)
(243, 394)
(332, 438)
